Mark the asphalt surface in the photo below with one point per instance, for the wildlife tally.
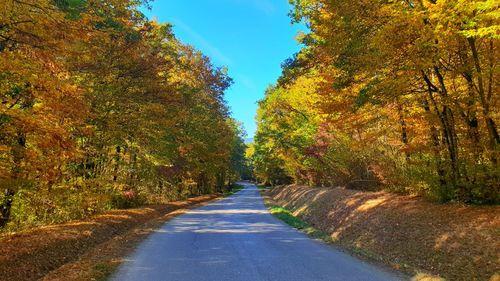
(236, 239)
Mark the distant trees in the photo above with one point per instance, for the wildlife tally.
(400, 94)
(100, 107)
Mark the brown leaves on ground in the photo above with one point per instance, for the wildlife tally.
(455, 241)
(84, 249)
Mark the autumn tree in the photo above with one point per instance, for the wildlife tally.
(103, 108)
(406, 97)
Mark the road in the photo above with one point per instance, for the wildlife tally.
(236, 239)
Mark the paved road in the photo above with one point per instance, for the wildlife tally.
(236, 239)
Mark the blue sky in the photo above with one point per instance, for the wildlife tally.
(251, 37)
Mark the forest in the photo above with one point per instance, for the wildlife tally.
(394, 95)
(375, 155)
(103, 108)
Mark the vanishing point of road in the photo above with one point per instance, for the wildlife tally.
(236, 239)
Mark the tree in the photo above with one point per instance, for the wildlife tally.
(406, 97)
(99, 103)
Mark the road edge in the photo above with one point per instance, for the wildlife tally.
(101, 262)
(286, 216)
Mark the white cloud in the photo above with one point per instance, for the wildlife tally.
(207, 47)
(247, 82)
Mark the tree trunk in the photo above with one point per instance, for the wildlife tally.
(117, 163)
(435, 143)
(9, 193)
(447, 123)
(490, 123)
(6, 206)
(404, 131)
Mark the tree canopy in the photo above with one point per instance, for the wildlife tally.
(394, 94)
(103, 108)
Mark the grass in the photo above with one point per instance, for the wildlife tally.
(287, 217)
(102, 271)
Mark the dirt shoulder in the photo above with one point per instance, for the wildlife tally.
(85, 249)
(454, 241)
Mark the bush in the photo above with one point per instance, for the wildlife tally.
(126, 199)
(31, 207)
